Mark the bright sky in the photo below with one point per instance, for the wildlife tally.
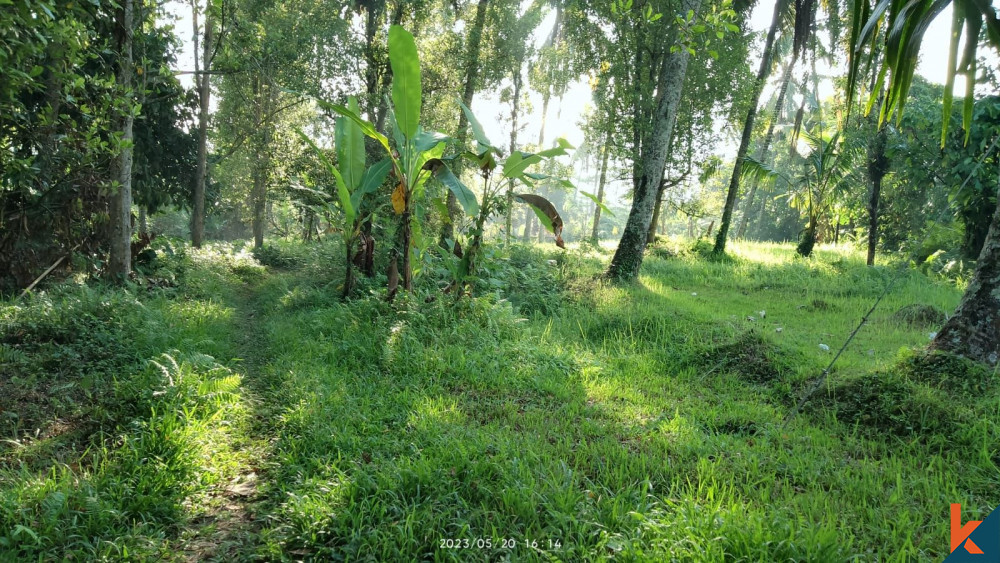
(565, 114)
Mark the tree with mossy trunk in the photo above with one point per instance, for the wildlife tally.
(653, 143)
(120, 258)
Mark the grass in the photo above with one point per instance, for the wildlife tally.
(554, 417)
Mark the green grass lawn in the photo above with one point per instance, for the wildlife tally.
(553, 417)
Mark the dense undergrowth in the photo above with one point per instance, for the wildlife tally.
(553, 416)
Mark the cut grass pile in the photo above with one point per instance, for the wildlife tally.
(553, 416)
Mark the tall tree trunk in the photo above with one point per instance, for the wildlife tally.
(639, 113)
(395, 18)
(120, 259)
(670, 82)
(974, 330)
(264, 100)
(878, 167)
(533, 227)
(47, 160)
(204, 93)
(600, 185)
(734, 181)
(518, 82)
(373, 17)
(469, 90)
(143, 224)
(786, 77)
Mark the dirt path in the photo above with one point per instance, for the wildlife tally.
(228, 525)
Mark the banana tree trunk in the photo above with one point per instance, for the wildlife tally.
(120, 258)
(734, 181)
(670, 83)
(974, 330)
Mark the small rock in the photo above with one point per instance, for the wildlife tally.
(694, 294)
(824, 347)
(779, 329)
(762, 314)
(931, 335)
(751, 319)
(871, 352)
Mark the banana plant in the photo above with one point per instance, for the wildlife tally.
(415, 155)
(352, 183)
(511, 170)
(412, 152)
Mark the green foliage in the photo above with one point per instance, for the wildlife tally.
(417, 154)
(903, 25)
(58, 101)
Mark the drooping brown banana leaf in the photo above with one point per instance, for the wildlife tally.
(547, 214)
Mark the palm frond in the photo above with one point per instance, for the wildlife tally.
(761, 173)
(904, 23)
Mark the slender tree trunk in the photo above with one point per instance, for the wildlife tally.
(143, 224)
(468, 92)
(518, 82)
(734, 181)
(204, 93)
(259, 196)
(655, 221)
(373, 17)
(639, 114)
(407, 248)
(786, 77)
(48, 157)
(600, 186)
(528, 215)
(878, 167)
(264, 100)
(120, 259)
(532, 221)
(974, 330)
(670, 82)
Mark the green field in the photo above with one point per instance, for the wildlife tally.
(234, 410)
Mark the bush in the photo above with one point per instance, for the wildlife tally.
(274, 257)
